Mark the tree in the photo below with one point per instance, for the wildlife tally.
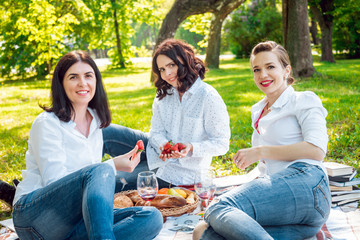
(297, 36)
(250, 24)
(346, 36)
(214, 42)
(34, 35)
(182, 9)
(323, 13)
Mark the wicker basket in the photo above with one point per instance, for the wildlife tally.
(175, 211)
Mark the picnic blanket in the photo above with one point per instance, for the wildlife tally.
(343, 224)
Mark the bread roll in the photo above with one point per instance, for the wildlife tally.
(134, 196)
(122, 201)
(168, 201)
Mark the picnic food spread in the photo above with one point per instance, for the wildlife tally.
(169, 205)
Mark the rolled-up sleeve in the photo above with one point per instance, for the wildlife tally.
(311, 116)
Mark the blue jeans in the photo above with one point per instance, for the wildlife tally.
(292, 204)
(80, 206)
(119, 140)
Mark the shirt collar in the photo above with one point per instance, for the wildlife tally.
(284, 97)
(196, 85)
(192, 90)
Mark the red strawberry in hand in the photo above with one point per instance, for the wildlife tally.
(140, 145)
(181, 146)
(175, 148)
(167, 148)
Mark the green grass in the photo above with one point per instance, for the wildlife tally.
(131, 95)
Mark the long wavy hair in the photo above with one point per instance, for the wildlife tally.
(280, 52)
(61, 104)
(190, 67)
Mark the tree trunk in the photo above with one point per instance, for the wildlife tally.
(185, 8)
(214, 44)
(118, 39)
(297, 37)
(314, 31)
(322, 13)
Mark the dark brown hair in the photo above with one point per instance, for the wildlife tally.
(61, 104)
(190, 67)
(281, 53)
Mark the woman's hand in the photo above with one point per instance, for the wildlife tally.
(245, 157)
(126, 162)
(164, 156)
(176, 154)
(183, 153)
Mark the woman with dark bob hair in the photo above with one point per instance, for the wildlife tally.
(185, 110)
(67, 192)
(291, 198)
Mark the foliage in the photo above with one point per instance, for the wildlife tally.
(199, 24)
(34, 34)
(252, 23)
(146, 32)
(346, 32)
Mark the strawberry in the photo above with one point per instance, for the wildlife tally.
(181, 146)
(140, 145)
(167, 147)
(175, 148)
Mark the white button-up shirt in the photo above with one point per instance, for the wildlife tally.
(200, 118)
(294, 117)
(56, 149)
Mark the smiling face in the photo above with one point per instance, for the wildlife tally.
(269, 75)
(168, 70)
(80, 84)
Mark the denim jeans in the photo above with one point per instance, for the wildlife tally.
(80, 206)
(119, 140)
(292, 204)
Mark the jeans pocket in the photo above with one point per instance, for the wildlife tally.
(322, 198)
(28, 233)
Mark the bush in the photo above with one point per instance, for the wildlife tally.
(250, 24)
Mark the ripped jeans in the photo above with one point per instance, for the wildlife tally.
(291, 204)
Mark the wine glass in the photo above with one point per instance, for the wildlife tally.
(205, 187)
(147, 185)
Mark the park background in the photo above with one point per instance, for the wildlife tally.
(322, 37)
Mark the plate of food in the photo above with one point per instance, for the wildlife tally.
(171, 202)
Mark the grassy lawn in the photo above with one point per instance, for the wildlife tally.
(131, 95)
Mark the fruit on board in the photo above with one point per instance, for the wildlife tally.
(163, 191)
(181, 192)
(173, 192)
(191, 198)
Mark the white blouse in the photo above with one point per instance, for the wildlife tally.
(56, 149)
(294, 117)
(200, 118)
